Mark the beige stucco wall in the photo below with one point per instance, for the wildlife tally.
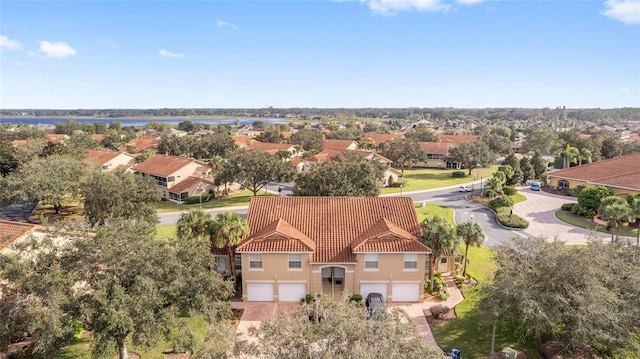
(275, 270)
(622, 192)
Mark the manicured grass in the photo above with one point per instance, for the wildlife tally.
(241, 198)
(81, 349)
(166, 231)
(428, 178)
(582, 222)
(471, 331)
(431, 210)
(517, 198)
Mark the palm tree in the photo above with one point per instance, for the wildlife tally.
(615, 215)
(585, 155)
(570, 154)
(608, 201)
(193, 225)
(471, 234)
(228, 229)
(441, 237)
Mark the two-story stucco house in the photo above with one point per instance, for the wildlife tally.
(108, 161)
(176, 177)
(332, 245)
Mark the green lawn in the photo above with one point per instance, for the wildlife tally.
(431, 210)
(470, 332)
(517, 198)
(428, 178)
(241, 198)
(82, 348)
(582, 222)
(166, 231)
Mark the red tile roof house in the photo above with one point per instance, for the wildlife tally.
(437, 153)
(142, 143)
(621, 175)
(107, 161)
(271, 148)
(340, 144)
(333, 246)
(177, 178)
(378, 138)
(14, 232)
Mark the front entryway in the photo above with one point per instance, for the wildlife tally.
(333, 281)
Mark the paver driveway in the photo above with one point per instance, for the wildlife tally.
(540, 208)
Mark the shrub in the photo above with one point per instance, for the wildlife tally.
(575, 191)
(509, 191)
(498, 202)
(402, 183)
(490, 193)
(512, 220)
(439, 285)
(580, 210)
(310, 298)
(457, 174)
(469, 275)
(196, 199)
(356, 298)
(443, 295)
(437, 275)
(591, 197)
(437, 311)
(567, 206)
(458, 280)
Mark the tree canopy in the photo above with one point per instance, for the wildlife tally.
(472, 155)
(253, 169)
(354, 176)
(404, 152)
(308, 139)
(585, 296)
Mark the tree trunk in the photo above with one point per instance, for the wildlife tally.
(638, 236)
(122, 350)
(466, 253)
(232, 261)
(470, 169)
(56, 208)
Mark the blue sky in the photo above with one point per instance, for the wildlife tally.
(364, 53)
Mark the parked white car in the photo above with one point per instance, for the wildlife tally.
(465, 188)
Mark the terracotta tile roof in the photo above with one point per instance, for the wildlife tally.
(381, 229)
(12, 231)
(287, 134)
(144, 143)
(17, 143)
(97, 137)
(615, 172)
(377, 156)
(242, 140)
(337, 144)
(267, 146)
(378, 138)
(100, 157)
(162, 165)
(457, 139)
(277, 234)
(435, 147)
(333, 223)
(185, 184)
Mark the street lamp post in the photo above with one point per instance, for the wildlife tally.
(200, 189)
(401, 190)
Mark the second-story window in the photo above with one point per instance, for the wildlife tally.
(411, 261)
(255, 260)
(371, 261)
(295, 261)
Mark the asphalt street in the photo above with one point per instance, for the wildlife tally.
(449, 196)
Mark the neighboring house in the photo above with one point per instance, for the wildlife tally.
(437, 153)
(621, 175)
(242, 141)
(55, 137)
(339, 145)
(173, 132)
(14, 232)
(333, 246)
(378, 138)
(271, 148)
(107, 161)
(98, 137)
(142, 143)
(177, 178)
(457, 140)
(204, 132)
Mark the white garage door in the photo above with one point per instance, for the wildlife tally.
(405, 292)
(260, 292)
(366, 288)
(291, 292)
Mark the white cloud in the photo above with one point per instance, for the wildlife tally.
(391, 6)
(7, 43)
(222, 23)
(470, 2)
(166, 53)
(56, 49)
(626, 11)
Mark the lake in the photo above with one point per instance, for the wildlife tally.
(137, 122)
